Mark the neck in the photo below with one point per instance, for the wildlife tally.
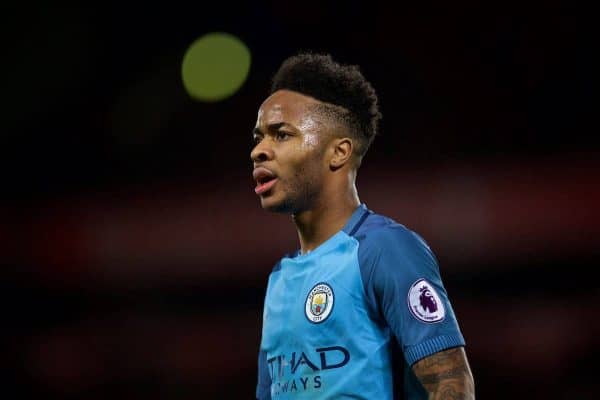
(325, 218)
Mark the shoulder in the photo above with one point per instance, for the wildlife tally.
(276, 267)
(389, 250)
(380, 234)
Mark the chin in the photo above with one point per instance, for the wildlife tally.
(276, 205)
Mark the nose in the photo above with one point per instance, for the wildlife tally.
(261, 152)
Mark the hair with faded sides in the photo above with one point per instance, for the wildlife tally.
(346, 95)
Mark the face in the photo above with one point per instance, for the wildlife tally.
(289, 154)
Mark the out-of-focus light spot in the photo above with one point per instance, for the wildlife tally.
(215, 66)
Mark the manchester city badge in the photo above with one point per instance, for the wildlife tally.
(319, 303)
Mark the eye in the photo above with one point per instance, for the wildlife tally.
(256, 139)
(281, 135)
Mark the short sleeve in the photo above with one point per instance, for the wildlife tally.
(263, 387)
(403, 284)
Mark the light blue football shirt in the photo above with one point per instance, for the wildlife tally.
(335, 318)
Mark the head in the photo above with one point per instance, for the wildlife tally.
(312, 132)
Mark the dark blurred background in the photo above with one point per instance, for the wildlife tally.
(136, 253)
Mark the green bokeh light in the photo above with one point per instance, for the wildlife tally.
(215, 66)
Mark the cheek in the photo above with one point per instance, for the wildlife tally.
(303, 165)
(308, 173)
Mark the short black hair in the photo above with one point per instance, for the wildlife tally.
(343, 86)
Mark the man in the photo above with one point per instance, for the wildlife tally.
(362, 287)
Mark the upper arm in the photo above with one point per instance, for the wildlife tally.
(446, 375)
(265, 372)
(263, 387)
(403, 280)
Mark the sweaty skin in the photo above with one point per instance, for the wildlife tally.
(289, 143)
(311, 159)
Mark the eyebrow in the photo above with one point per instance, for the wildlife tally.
(271, 127)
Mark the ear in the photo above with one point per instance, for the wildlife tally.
(342, 152)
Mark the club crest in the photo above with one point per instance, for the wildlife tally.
(319, 303)
(424, 302)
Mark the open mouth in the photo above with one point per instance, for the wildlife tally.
(264, 178)
(264, 185)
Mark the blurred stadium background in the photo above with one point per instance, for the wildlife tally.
(136, 253)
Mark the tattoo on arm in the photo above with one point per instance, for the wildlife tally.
(435, 378)
(446, 375)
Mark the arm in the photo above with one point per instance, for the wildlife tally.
(402, 277)
(446, 375)
(263, 387)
